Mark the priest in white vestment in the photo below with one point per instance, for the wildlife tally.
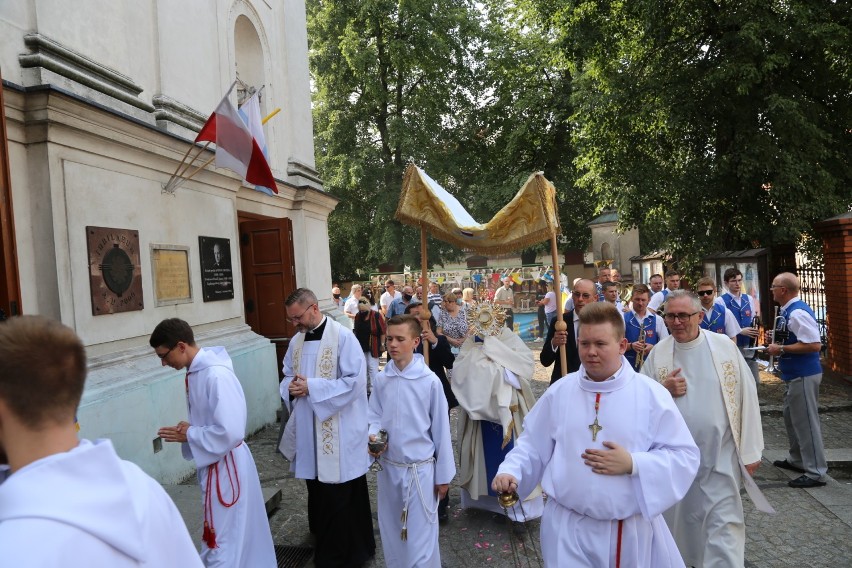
(491, 380)
(611, 451)
(236, 529)
(70, 502)
(325, 439)
(408, 402)
(714, 390)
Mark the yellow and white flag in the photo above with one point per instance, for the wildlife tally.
(529, 218)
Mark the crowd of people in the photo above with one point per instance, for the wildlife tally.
(662, 387)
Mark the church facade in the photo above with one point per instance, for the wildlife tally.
(102, 100)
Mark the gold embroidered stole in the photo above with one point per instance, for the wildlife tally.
(725, 370)
(327, 431)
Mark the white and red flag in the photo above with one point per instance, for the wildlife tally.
(250, 113)
(236, 148)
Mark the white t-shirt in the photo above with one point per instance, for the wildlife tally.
(550, 306)
(386, 298)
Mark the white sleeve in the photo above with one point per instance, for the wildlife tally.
(662, 330)
(732, 326)
(804, 326)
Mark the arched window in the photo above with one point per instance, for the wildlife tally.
(606, 253)
(249, 59)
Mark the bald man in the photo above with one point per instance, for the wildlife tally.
(797, 348)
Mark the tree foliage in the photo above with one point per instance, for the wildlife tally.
(711, 125)
(389, 77)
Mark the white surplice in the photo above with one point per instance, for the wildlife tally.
(580, 522)
(722, 412)
(88, 507)
(343, 396)
(217, 417)
(410, 404)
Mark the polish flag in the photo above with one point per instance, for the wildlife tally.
(236, 148)
(250, 113)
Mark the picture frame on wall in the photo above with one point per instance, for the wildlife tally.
(217, 276)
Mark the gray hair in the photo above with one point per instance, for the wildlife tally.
(356, 288)
(301, 296)
(678, 294)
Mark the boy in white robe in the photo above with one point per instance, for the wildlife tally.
(612, 453)
(236, 529)
(68, 501)
(408, 402)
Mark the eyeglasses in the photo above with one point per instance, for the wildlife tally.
(776, 286)
(166, 354)
(584, 295)
(705, 292)
(682, 317)
(300, 316)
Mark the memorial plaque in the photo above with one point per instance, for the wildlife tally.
(170, 267)
(115, 277)
(217, 279)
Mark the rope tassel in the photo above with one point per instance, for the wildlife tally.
(209, 536)
(403, 536)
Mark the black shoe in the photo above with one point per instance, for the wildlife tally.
(805, 482)
(784, 464)
(443, 516)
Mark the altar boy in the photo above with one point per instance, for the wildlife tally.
(600, 441)
(408, 402)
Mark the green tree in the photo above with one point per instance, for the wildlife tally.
(710, 125)
(391, 79)
(522, 124)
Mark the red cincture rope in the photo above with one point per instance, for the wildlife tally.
(618, 546)
(209, 534)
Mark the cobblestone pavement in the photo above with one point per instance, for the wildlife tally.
(809, 529)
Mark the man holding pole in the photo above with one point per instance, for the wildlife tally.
(583, 293)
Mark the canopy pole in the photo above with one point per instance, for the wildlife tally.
(424, 277)
(560, 305)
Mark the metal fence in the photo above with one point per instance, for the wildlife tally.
(812, 292)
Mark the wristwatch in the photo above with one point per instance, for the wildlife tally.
(782, 350)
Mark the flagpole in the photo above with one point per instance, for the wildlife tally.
(190, 176)
(270, 115)
(560, 324)
(424, 309)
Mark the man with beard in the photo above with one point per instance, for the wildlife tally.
(325, 390)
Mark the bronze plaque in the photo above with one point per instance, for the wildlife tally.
(115, 277)
(217, 278)
(170, 266)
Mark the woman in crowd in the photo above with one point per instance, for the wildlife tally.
(370, 329)
(467, 298)
(452, 322)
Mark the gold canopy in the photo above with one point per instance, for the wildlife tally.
(529, 218)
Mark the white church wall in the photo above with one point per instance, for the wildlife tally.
(142, 76)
